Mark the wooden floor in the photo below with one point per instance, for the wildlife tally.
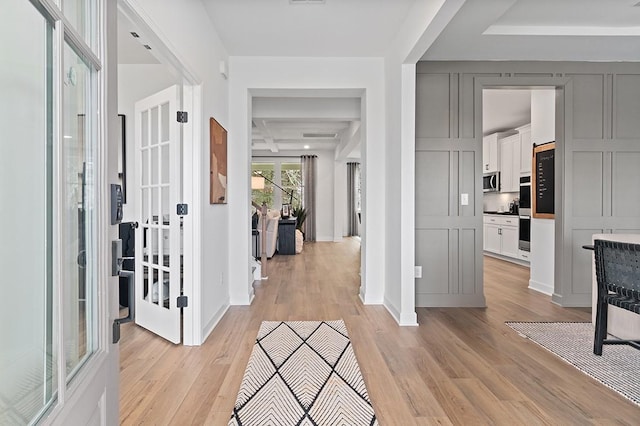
(460, 366)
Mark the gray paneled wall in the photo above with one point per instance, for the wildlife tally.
(597, 169)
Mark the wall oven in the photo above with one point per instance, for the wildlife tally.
(491, 182)
(524, 211)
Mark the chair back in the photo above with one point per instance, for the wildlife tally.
(617, 268)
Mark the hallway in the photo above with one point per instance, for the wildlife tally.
(460, 366)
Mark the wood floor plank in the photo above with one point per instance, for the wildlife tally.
(460, 366)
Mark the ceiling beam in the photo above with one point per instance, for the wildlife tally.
(261, 125)
(349, 140)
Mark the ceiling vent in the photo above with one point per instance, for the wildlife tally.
(307, 1)
(319, 135)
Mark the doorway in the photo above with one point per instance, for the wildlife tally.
(160, 169)
(515, 119)
(289, 127)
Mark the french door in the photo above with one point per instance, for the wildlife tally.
(158, 185)
(57, 362)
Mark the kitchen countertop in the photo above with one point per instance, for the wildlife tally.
(500, 213)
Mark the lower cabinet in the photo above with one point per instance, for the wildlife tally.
(501, 235)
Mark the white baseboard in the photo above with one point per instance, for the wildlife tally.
(541, 287)
(214, 321)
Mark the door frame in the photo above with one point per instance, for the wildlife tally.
(563, 89)
(192, 167)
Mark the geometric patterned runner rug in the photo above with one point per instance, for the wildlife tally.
(303, 373)
(617, 368)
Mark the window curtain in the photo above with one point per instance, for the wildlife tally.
(309, 195)
(352, 175)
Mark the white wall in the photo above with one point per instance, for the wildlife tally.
(424, 23)
(350, 77)
(543, 107)
(136, 82)
(191, 36)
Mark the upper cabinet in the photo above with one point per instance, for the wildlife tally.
(526, 149)
(491, 151)
(510, 164)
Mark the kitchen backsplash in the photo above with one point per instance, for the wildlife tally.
(498, 201)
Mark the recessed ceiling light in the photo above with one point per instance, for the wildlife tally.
(68, 137)
(306, 147)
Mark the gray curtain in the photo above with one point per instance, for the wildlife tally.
(352, 174)
(309, 195)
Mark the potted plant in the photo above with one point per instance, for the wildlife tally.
(300, 213)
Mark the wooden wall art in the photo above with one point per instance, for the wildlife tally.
(217, 163)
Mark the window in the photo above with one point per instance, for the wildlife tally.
(283, 177)
(291, 178)
(265, 195)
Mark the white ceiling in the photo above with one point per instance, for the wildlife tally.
(504, 109)
(299, 123)
(333, 28)
(131, 50)
(568, 30)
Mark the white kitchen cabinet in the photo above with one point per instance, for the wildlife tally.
(491, 151)
(526, 149)
(490, 154)
(510, 237)
(510, 164)
(501, 235)
(492, 238)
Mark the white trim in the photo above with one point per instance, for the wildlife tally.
(541, 287)
(192, 331)
(407, 195)
(211, 325)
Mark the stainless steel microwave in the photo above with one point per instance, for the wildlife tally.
(491, 182)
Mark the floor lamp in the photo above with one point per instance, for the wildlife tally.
(257, 182)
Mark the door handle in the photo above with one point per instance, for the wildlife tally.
(130, 276)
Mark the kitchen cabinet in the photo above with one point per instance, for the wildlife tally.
(490, 154)
(501, 235)
(510, 164)
(525, 149)
(491, 151)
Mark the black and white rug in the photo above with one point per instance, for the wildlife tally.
(303, 373)
(573, 342)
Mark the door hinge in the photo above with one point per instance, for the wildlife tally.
(183, 301)
(183, 117)
(182, 209)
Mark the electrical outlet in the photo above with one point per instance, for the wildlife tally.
(417, 272)
(464, 199)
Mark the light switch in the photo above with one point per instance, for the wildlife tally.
(417, 272)
(464, 199)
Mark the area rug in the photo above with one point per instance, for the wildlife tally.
(573, 342)
(303, 373)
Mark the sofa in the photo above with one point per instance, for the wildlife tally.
(273, 217)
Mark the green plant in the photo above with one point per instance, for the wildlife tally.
(300, 213)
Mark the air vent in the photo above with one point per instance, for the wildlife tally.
(135, 34)
(319, 135)
(307, 1)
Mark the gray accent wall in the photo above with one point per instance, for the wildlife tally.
(597, 169)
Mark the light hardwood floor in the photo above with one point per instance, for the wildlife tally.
(460, 366)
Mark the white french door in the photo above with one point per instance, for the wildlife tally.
(159, 240)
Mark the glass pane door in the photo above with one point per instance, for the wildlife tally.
(28, 354)
(76, 195)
